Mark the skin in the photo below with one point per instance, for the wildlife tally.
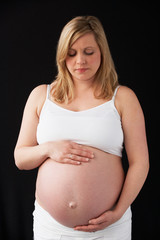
(104, 171)
(29, 155)
(84, 59)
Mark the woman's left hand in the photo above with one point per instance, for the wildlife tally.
(99, 223)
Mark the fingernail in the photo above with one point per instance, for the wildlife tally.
(78, 163)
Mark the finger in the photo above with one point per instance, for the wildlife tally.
(89, 228)
(82, 153)
(77, 158)
(98, 220)
(80, 147)
(69, 161)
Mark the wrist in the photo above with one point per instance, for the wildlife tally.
(118, 211)
(44, 150)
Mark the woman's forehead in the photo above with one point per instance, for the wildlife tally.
(85, 41)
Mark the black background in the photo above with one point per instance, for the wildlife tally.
(29, 31)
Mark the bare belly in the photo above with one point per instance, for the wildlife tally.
(75, 194)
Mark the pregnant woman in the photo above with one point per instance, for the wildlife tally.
(74, 131)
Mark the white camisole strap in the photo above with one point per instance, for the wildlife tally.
(48, 92)
(115, 92)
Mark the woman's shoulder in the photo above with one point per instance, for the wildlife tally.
(126, 99)
(37, 97)
(39, 90)
(38, 93)
(125, 93)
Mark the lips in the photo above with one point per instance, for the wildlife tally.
(81, 70)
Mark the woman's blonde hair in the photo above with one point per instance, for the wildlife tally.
(106, 79)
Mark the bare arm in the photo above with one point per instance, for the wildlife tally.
(137, 152)
(28, 154)
(136, 147)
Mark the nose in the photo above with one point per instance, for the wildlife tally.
(80, 59)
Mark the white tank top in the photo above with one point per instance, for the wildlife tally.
(98, 127)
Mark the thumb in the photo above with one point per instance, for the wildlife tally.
(99, 220)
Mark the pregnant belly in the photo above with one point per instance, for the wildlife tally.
(75, 194)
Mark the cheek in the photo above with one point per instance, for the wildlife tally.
(96, 61)
(69, 64)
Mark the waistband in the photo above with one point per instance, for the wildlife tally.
(45, 224)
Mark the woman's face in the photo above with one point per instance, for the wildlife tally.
(84, 58)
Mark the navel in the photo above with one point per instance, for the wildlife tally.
(72, 205)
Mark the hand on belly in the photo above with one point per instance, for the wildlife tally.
(68, 152)
(74, 194)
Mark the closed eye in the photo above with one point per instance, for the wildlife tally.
(89, 52)
(71, 53)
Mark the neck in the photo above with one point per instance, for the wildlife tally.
(82, 87)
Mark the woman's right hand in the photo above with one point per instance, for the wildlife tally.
(68, 152)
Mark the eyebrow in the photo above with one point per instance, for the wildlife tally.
(84, 48)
